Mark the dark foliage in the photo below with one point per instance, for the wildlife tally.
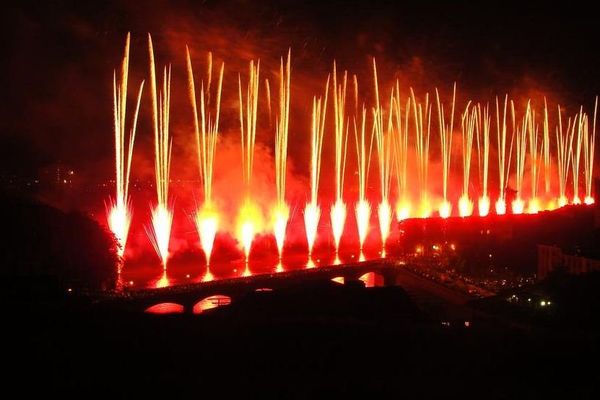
(42, 243)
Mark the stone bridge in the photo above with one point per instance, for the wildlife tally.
(188, 298)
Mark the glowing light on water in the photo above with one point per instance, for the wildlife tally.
(312, 210)
(119, 212)
(207, 131)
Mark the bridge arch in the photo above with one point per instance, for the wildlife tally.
(165, 308)
(339, 280)
(372, 279)
(210, 302)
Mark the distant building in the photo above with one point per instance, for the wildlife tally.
(551, 258)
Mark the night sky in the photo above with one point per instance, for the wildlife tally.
(58, 58)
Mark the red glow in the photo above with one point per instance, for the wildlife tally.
(588, 200)
(338, 219)
(211, 302)
(165, 308)
(484, 206)
(518, 206)
(534, 206)
(445, 209)
(465, 206)
(402, 210)
(312, 214)
(500, 207)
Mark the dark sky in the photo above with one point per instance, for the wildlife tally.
(58, 58)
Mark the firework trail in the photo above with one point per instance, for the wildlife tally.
(503, 162)
(446, 149)
(338, 211)
(250, 216)
(363, 154)
(162, 215)
(589, 144)
(469, 123)
(400, 151)
(119, 213)
(563, 157)
(384, 156)
(483, 157)
(518, 205)
(535, 160)
(422, 116)
(282, 212)
(312, 211)
(206, 130)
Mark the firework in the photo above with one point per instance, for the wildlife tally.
(384, 156)
(535, 154)
(363, 153)
(206, 130)
(422, 118)
(338, 211)
(446, 149)
(400, 151)
(250, 215)
(518, 205)
(469, 124)
(162, 215)
(589, 142)
(119, 213)
(563, 157)
(312, 211)
(546, 151)
(483, 157)
(580, 124)
(503, 162)
(282, 212)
